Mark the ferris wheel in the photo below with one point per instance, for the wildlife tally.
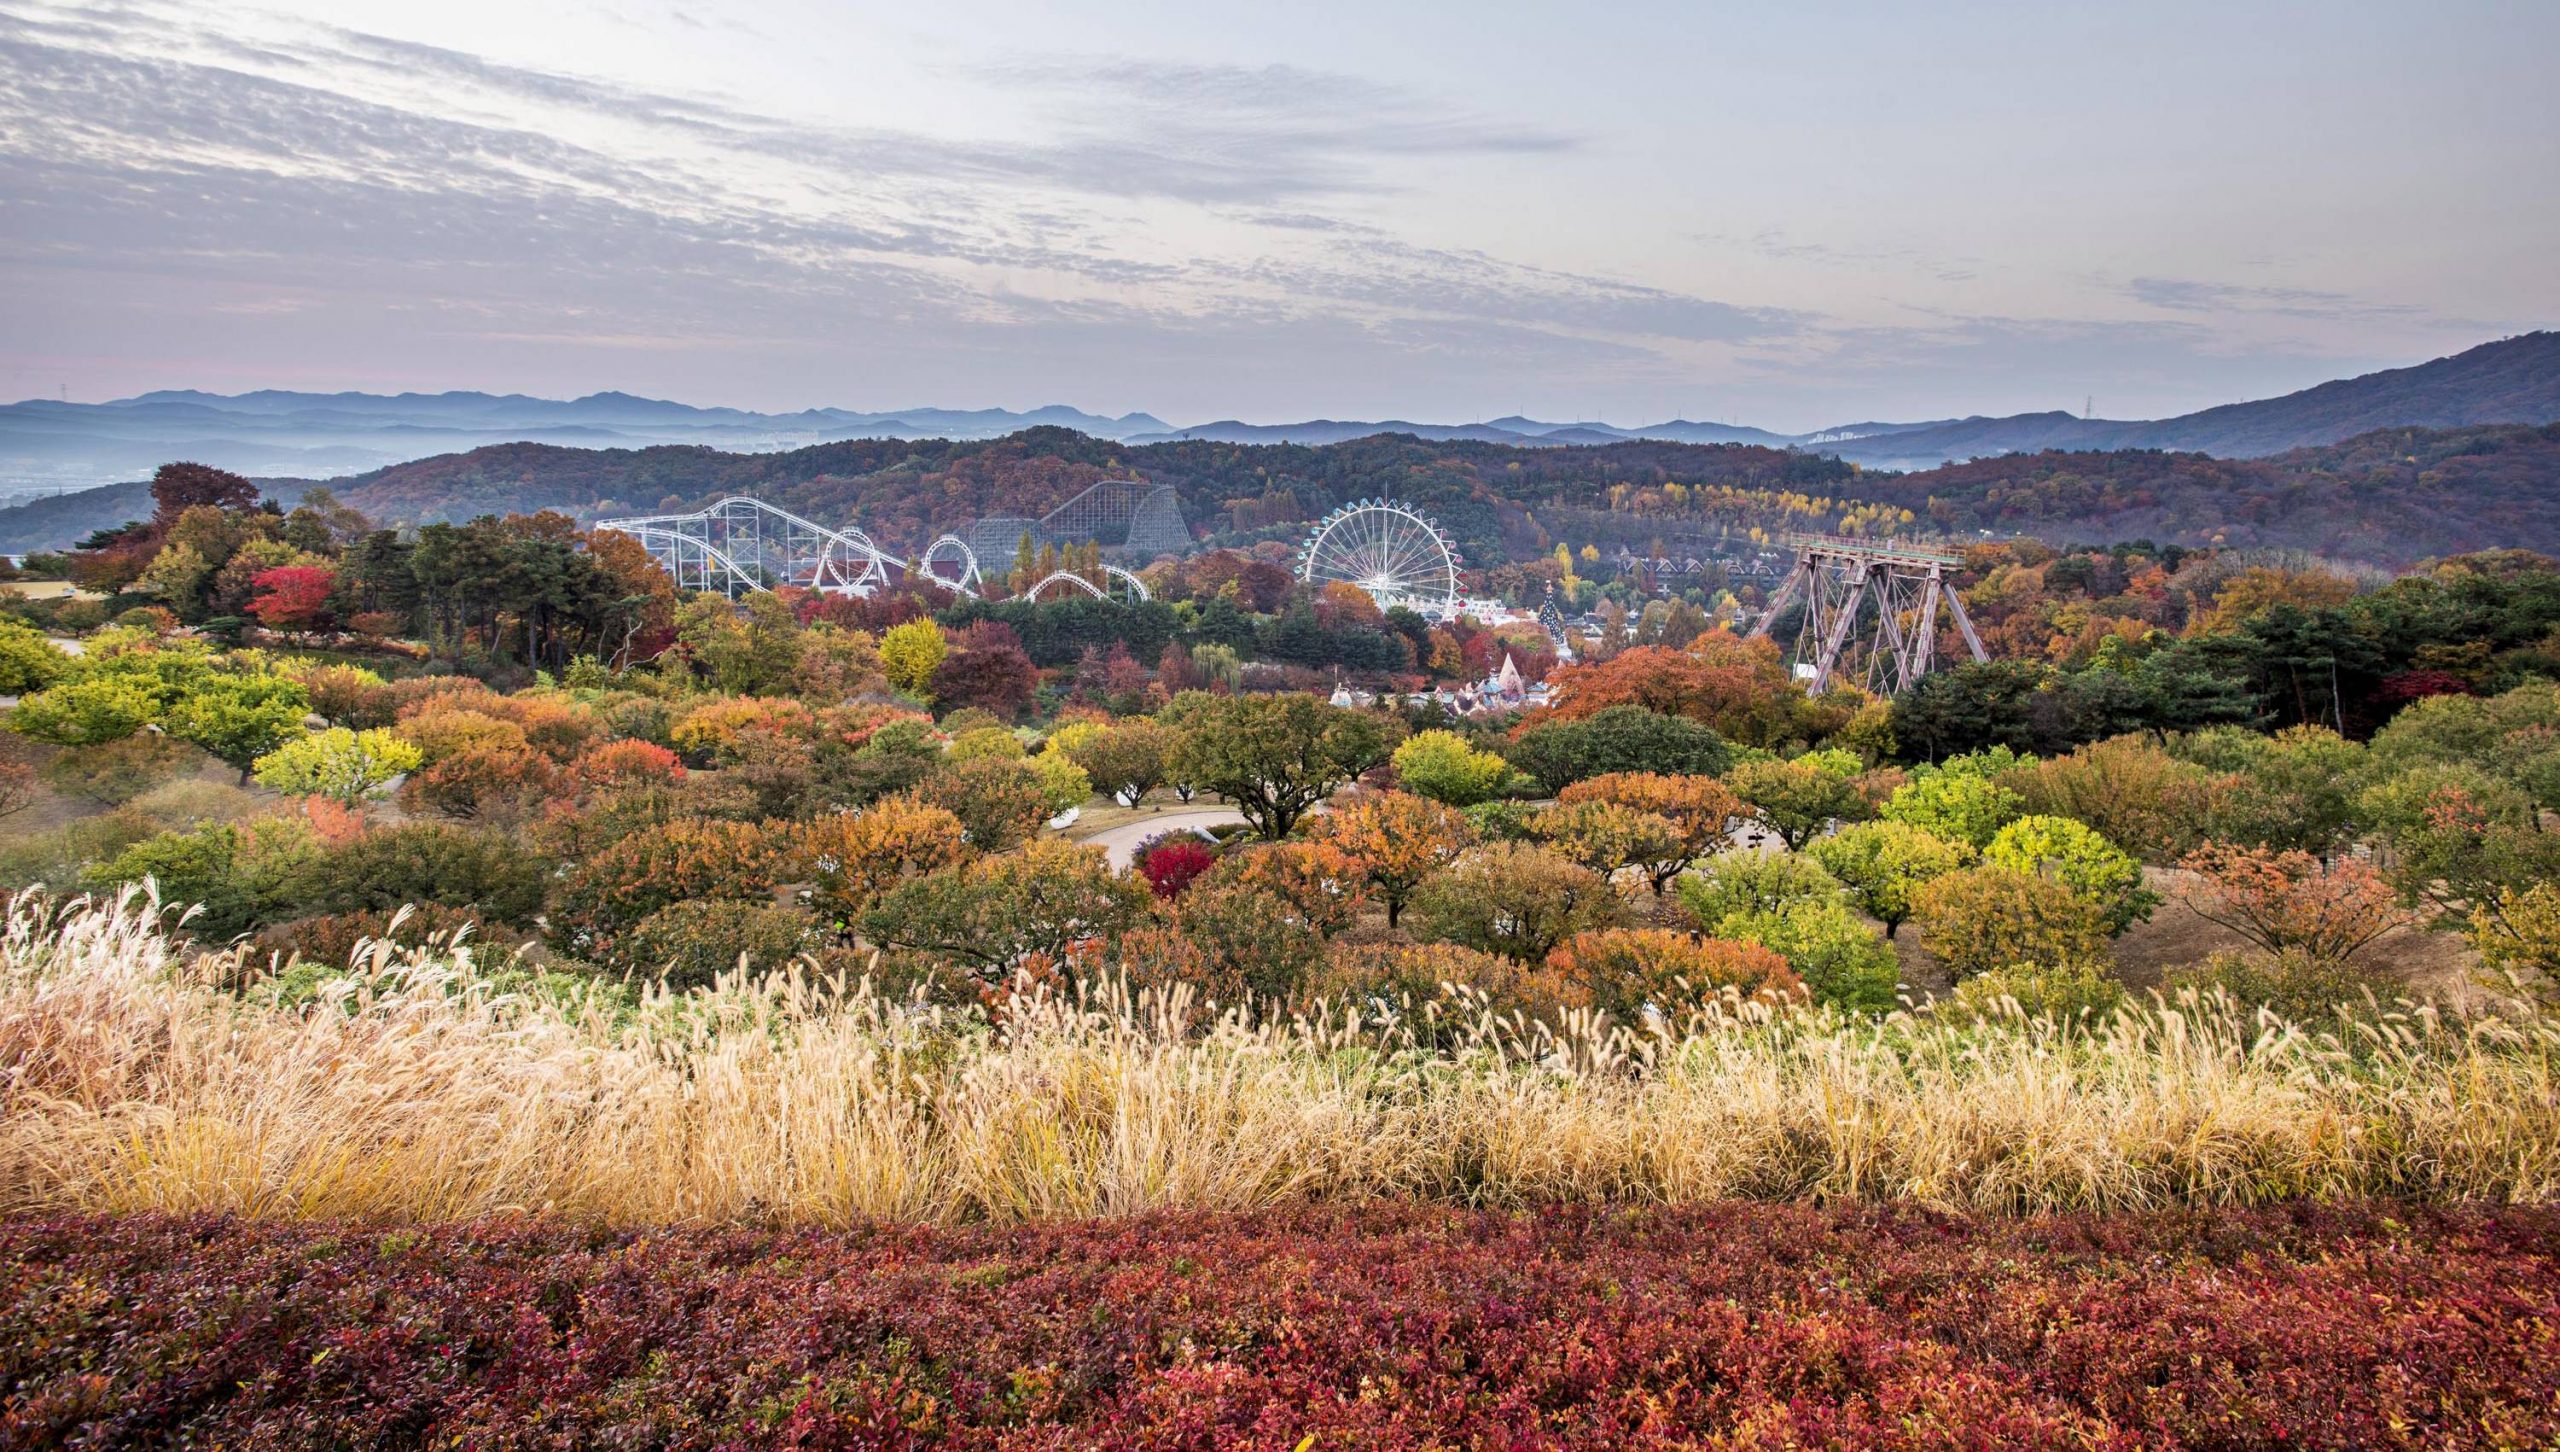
(1393, 551)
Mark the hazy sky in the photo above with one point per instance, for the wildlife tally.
(1790, 214)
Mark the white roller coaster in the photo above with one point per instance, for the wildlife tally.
(1393, 551)
(741, 544)
(951, 549)
(1122, 585)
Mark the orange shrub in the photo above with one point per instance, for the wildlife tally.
(1624, 969)
(852, 858)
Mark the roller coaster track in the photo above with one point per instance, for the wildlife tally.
(741, 544)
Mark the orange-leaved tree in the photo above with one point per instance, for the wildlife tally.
(1397, 839)
(1699, 808)
(1625, 969)
(850, 859)
(2294, 901)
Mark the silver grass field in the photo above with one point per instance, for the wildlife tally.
(416, 1088)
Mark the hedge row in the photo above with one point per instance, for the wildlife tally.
(1381, 1328)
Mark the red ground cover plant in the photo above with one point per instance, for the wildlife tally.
(1385, 1328)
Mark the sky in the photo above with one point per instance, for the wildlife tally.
(1792, 216)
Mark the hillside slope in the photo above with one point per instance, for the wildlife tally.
(2511, 381)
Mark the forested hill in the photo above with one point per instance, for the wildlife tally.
(2391, 497)
(2511, 381)
(903, 493)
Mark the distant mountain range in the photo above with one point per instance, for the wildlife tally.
(50, 445)
(46, 444)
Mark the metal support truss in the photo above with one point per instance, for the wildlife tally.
(1870, 612)
(740, 544)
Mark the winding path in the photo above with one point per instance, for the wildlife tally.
(1121, 843)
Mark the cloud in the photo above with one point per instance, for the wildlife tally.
(2185, 296)
(319, 173)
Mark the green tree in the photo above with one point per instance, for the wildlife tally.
(1991, 916)
(28, 661)
(999, 913)
(240, 717)
(1840, 959)
(90, 711)
(1798, 799)
(2074, 855)
(1515, 900)
(342, 765)
(1619, 739)
(689, 945)
(1275, 757)
(1442, 766)
(1127, 759)
(1883, 863)
(1962, 805)
(1756, 882)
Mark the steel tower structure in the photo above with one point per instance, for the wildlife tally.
(1870, 607)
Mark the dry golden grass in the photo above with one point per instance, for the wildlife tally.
(414, 1090)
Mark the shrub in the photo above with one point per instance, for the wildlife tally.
(1044, 904)
(2290, 985)
(1229, 941)
(1127, 760)
(613, 764)
(910, 653)
(1441, 765)
(1171, 864)
(715, 732)
(341, 693)
(2292, 901)
(28, 662)
(1625, 970)
(1756, 882)
(1515, 900)
(1439, 988)
(1997, 917)
(2132, 791)
(90, 711)
(687, 945)
(1388, 1328)
(331, 939)
(2073, 991)
(1700, 810)
(852, 858)
(421, 862)
(679, 862)
(2078, 858)
(999, 803)
(1619, 739)
(984, 741)
(2519, 933)
(1955, 802)
(486, 785)
(115, 772)
(1798, 800)
(1606, 837)
(1396, 840)
(444, 733)
(342, 765)
(1063, 784)
(1883, 863)
(1840, 959)
(1320, 886)
(233, 875)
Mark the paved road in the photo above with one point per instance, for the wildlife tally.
(1121, 843)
